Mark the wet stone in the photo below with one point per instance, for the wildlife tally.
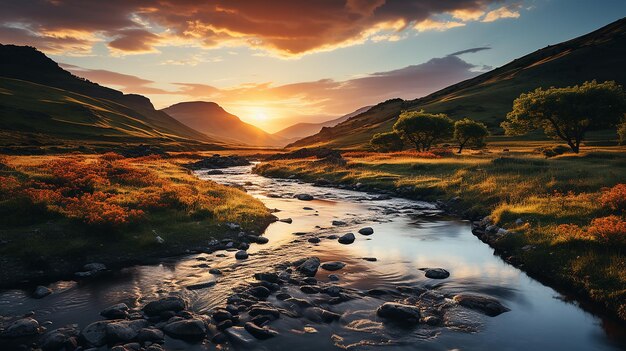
(261, 333)
(436, 273)
(309, 266)
(399, 313)
(118, 311)
(366, 231)
(259, 291)
(188, 329)
(487, 305)
(333, 266)
(347, 239)
(171, 303)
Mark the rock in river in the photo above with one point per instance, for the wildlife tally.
(95, 333)
(41, 292)
(171, 303)
(333, 266)
(304, 197)
(259, 332)
(241, 255)
(338, 223)
(486, 305)
(187, 329)
(400, 313)
(119, 311)
(346, 239)
(309, 266)
(436, 273)
(366, 231)
(60, 339)
(124, 330)
(20, 328)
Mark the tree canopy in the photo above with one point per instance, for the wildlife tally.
(567, 113)
(469, 132)
(423, 129)
(387, 142)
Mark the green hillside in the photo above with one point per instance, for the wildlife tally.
(600, 55)
(42, 104)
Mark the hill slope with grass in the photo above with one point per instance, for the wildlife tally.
(599, 55)
(212, 120)
(42, 103)
(301, 130)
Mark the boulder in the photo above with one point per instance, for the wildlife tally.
(338, 223)
(399, 313)
(346, 239)
(286, 220)
(309, 266)
(366, 231)
(304, 197)
(150, 334)
(95, 334)
(319, 315)
(314, 240)
(241, 255)
(60, 338)
(118, 311)
(20, 328)
(171, 303)
(124, 331)
(186, 329)
(436, 273)
(487, 305)
(41, 292)
(260, 333)
(333, 266)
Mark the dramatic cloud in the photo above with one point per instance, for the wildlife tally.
(284, 27)
(125, 82)
(502, 12)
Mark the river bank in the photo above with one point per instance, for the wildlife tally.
(280, 296)
(546, 207)
(61, 212)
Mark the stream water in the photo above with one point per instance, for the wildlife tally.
(408, 235)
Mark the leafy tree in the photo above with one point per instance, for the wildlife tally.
(621, 132)
(469, 132)
(387, 142)
(423, 129)
(567, 113)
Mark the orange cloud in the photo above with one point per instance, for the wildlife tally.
(282, 27)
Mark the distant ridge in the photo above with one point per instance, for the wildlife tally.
(212, 120)
(599, 55)
(301, 130)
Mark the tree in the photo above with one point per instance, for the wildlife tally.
(621, 132)
(423, 129)
(387, 142)
(567, 113)
(470, 132)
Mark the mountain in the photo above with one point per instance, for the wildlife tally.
(599, 55)
(41, 101)
(301, 130)
(212, 120)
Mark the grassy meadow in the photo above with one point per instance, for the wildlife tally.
(106, 207)
(572, 232)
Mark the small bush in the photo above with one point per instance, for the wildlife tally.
(614, 198)
(552, 151)
(609, 230)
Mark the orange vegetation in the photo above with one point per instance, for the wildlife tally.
(108, 190)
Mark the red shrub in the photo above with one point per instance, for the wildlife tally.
(611, 229)
(615, 197)
(98, 209)
(572, 231)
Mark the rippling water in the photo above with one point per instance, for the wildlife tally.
(408, 235)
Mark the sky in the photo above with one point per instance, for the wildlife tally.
(276, 63)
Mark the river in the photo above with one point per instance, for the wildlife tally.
(408, 235)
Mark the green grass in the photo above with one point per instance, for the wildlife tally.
(544, 193)
(34, 114)
(45, 231)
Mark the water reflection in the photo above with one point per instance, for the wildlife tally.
(406, 238)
